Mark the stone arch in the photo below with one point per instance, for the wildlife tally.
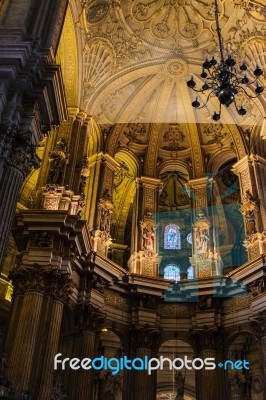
(170, 381)
(123, 196)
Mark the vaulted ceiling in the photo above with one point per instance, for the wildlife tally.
(134, 57)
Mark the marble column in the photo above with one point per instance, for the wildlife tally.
(17, 156)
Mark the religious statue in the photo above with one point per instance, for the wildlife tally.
(249, 197)
(236, 385)
(250, 222)
(3, 365)
(105, 220)
(180, 383)
(148, 236)
(202, 239)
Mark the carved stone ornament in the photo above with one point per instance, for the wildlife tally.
(37, 279)
(17, 148)
(42, 239)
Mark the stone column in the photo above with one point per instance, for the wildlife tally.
(144, 341)
(17, 156)
(57, 290)
(88, 325)
(208, 343)
(145, 259)
(21, 351)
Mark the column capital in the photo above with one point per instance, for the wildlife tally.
(17, 148)
(89, 318)
(46, 281)
(207, 339)
(145, 337)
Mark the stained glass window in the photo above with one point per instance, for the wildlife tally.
(172, 271)
(190, 273)
(172, 237)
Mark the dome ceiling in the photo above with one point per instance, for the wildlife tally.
(138, 55)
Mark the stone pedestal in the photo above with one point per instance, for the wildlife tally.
(56, 197)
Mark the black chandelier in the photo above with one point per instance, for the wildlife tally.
(223, 80)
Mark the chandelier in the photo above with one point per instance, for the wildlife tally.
(222, 80)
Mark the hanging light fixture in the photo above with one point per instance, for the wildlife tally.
(223, 81)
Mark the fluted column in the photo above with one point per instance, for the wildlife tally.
(21, 350)
(144, 342)
(208, 343)
(89, 323)
(17, 156)
(58, 289)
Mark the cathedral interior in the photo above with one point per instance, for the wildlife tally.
(131, 222)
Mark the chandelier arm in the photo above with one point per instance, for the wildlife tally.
(197, 90)
(206, 102)
(246, 93)
(218, 30)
